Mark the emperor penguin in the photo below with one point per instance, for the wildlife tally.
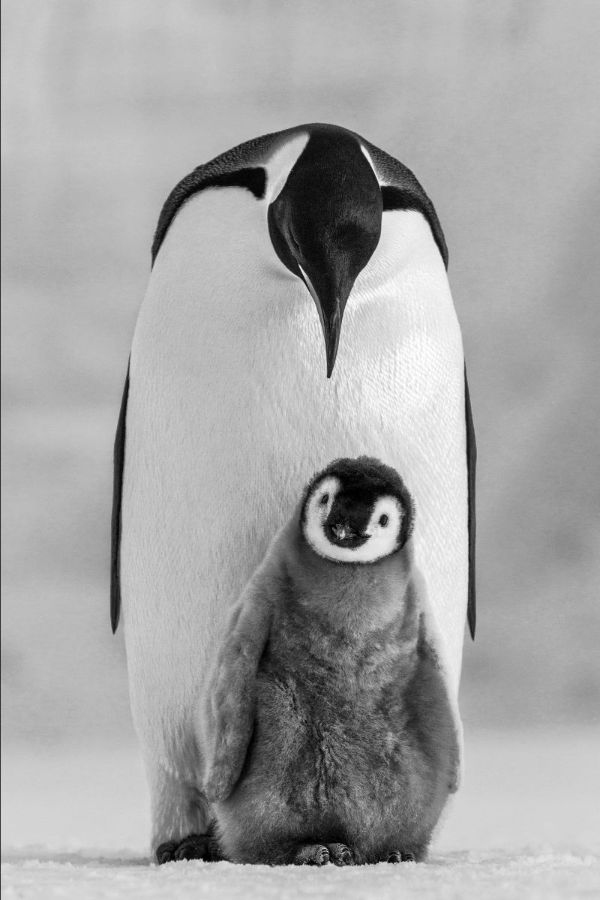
(298, 311)
(334, 737)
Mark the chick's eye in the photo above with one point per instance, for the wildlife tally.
(383, 520)
(324, 500)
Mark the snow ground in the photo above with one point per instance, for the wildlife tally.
(526, 824)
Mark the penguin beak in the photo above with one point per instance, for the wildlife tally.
(344, 535)
(331, 311)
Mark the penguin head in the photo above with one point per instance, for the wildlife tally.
(325, 223)
(356, 511)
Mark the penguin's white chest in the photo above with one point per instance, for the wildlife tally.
(230, 413)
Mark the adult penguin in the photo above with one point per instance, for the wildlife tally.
(298, 310)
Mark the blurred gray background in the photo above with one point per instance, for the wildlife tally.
(495, 107)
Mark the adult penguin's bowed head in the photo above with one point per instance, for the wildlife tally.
(295, 256)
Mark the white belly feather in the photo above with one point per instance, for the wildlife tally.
(230, 414)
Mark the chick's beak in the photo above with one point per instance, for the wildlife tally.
(344, 535)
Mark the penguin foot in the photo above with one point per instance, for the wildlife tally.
(312, 855)
(165, 852)
(396, 856)
(194, 846)
(340, 855)
(321, 854)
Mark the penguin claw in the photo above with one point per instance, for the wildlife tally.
(194, 846)
(396, 856)
(166, 852)
(340, 855)
(312, 855)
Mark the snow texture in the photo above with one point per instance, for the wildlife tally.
(525, 825)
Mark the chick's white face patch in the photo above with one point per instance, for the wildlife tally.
(318, 508)
(384, 528)
(382, 531)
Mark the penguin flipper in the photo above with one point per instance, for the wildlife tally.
(232, 691)
(115, 544)
(471, 465)
(432, 710)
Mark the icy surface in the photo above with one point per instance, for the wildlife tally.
(459, 875)
(525, 825)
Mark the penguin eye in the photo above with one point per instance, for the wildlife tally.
(324, 500)
(383, 520)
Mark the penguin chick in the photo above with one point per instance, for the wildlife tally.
(334, 736)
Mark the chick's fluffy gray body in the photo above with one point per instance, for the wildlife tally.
(331, 713)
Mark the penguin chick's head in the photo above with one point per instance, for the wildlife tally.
(356, 511)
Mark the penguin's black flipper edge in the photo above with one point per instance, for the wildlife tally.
(118, 463)
(471, 466)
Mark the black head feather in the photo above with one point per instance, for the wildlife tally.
(365, 479)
